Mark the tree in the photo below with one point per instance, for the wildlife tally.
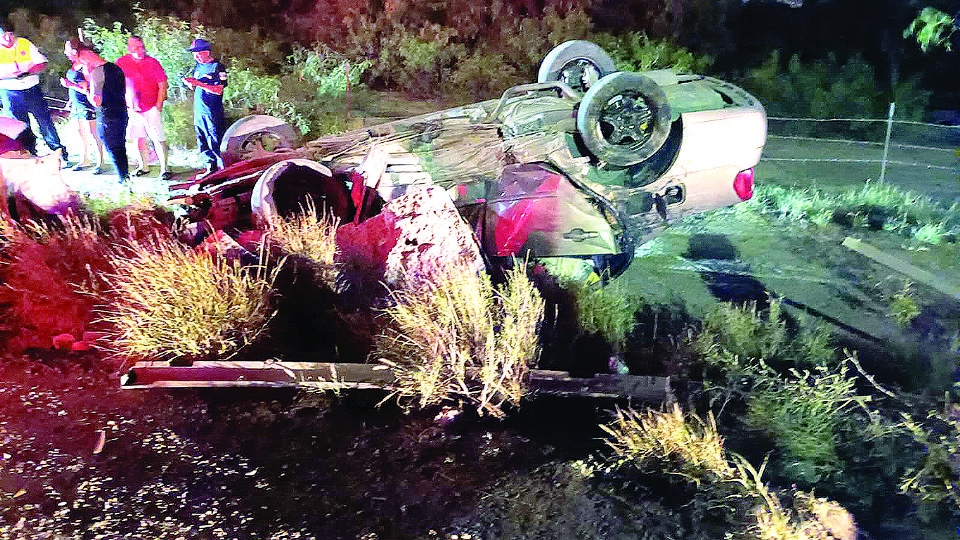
(932, 28)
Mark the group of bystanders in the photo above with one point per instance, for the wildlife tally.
(111, 102)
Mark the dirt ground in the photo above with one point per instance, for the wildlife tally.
(85, 459)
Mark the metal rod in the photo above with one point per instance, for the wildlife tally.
(886, 142)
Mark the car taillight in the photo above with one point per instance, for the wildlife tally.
(743, 184)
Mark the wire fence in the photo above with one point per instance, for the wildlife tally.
(916, 156)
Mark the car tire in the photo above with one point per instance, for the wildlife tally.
(624, 118)
(578, 63)
(285, 188)
(255, 134)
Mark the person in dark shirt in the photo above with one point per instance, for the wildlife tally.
(84, 114)
(107, 89)
(208, 80)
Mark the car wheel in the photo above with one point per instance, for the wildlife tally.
(624, 118)
(579, 64)
(256, 135)
(288, 187)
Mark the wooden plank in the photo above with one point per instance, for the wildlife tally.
(601, 385)
(247, 373)
(911, 271)
(324, 375)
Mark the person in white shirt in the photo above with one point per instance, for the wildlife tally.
(20, 64)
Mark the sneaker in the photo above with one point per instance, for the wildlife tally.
(166, 176)
(80, 166)
(142, 172)
(98, 170)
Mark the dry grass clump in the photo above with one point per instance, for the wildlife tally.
(172, 302)
(696, 448)
(139, 223)
(460, 336)
(687, 446)
(53, 280)
(310, 236)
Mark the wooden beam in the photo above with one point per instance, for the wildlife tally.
(324, 375)
(917, 274)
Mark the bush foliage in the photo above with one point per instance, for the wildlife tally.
(937, 479)
(832, 87)
(299, 86)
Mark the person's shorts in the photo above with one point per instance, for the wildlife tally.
(146, 124)
(83, 113)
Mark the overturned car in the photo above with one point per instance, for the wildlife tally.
(587, 163)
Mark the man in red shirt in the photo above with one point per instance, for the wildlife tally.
(150, 91)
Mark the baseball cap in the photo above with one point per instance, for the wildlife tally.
(199, 45)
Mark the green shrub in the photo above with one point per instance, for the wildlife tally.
(607, 311)
(178, 124)
(903, 305)
(246, 49)
(743, 335)
(332, 71)
(254, 93)
(481, 76)
(634, 51)
(937, 480)
(525, 41)
(111, 43)
(830, 88)
(422, 51)
(803, 414)
(740, 346)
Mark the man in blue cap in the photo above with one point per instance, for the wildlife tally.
(208, 80)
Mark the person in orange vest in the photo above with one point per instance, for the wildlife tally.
(20, 65)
